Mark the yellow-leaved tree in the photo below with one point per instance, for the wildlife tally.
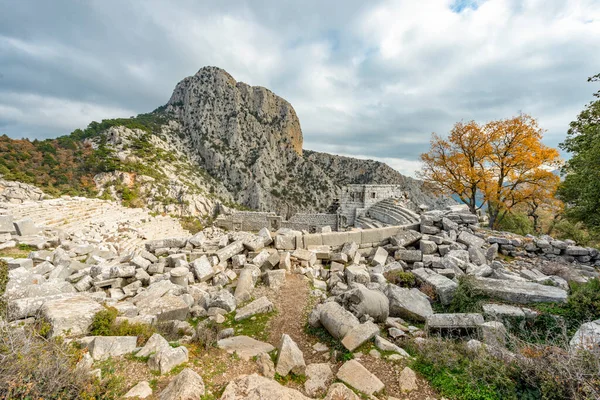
(500, 165)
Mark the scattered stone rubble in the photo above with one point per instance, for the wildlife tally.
(214, 273)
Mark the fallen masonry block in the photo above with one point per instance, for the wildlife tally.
(470, 239)
(71, 315)
(289, 357)
(405, 238)
(103, 347)
(359, 335)
(336, 319)
(408, 303)
(231, 250)
(360, 378)
(259, 306)
(244, 346)
(26, 227)
(444, 287)
(454, 324)
(305, 255)
(167, 359)
(520, 292)
(7, 224)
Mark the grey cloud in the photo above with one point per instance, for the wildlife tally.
(109, 55)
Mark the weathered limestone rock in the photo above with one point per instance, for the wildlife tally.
(493, 333)
(7, 224)
(155, 344)
(453, 322)
(168, 359)
(165, 308)
(259, 306)
(255, 387)
(285, 242)
(225, 300)
(187, 385)
(587, 337)
(203, 271)
(357, 376)
(289, 357)
(141, 391)
(408, 380)
(336, 319)
(70, 316)
(385, 345)
(245, 347)
(266, 367)
(275, 278)
(380, 256)
(103, 347)
(246, 282)
(339, 391)
(26, 227)
(501, 311)
(409, 255)
(406, 238)
(408, 303)
(444, 287)
(359, 335)
(362, 301)
(179, 276)
(470, 239)
(231, 250)
(520, 292)
(319, 376)
(358, 274)
(305, 255)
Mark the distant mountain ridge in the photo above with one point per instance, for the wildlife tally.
(216, 141)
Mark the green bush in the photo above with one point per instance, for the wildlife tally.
(566, 229)
(104, 324)
(467, 298)
(518, 223)
(401, 278)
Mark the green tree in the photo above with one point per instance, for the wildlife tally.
(580, 189)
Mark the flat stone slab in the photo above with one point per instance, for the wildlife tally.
(454, 321)
(70, 316)
(520, 292)
(359, 335)
(502, 311)
(103, 347)
(258, 306)
(408, 303)
(255, 387)
(360, 378)
(244, 346)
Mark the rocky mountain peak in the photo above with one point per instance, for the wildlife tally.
(214, 106)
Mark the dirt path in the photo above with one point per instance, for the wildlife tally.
(293, 304)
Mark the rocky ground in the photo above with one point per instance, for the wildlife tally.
(235, 315)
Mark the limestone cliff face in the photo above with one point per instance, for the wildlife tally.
(251, 140)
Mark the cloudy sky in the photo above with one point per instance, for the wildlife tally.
(371, 79)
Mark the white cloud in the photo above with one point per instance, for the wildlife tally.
(367, 79)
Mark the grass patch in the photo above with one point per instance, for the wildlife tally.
(21, 251)
(3, 283)
(256, 326)
(291, 377)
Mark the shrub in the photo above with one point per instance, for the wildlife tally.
(518, 223)
(32, 367)
(536, 372)
(401, 278)
(467, 298)
(104, 324)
